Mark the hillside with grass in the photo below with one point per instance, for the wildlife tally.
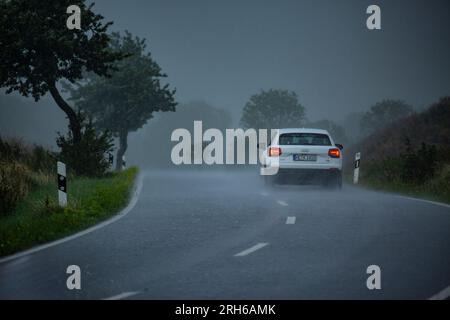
(411, 155)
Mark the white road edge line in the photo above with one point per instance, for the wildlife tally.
(442, 295)
(290, 220)
(121, 214)
(122, 295)
(251, 250)
(282, 203)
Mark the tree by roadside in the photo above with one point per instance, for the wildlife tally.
(125, 101)
(87, 157)
(273, 109)
(384, 113)
(38, 50)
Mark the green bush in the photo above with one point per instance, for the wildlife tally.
(37, 158)
(13, 150)
(412, 167)
(22, 167)
(440, 184)
(41, 160)
(382, 171)
(86, 158)
(417, 166)
(14, 183)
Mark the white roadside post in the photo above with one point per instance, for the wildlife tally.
(356, 171)
(62, 184)
(124, 163)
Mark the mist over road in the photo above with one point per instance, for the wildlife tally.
(222, 235)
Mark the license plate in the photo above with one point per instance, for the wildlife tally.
(305, 157)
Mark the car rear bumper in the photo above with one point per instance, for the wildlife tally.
(303, 175)
(332, 165)
(329, 163)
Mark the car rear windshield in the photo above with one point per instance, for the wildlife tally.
(306, 139)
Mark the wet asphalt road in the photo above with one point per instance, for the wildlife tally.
(223, 235)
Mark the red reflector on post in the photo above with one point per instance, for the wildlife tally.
(334, 153)
(274, 152)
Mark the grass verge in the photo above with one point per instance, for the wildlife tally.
(38, 218)
(436, 189)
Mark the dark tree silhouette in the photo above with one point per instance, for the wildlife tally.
(273, 109)
(125, 101)
(383, 114)
(38, 50)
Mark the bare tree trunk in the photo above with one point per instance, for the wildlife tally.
(74, 123)
(123, 145)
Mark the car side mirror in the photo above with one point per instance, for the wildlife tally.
(340, 146)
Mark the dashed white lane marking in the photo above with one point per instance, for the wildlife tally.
(122, 295)
(290, 220)
(251, 250)
(264, 194)
(282, 203)
(444, 294)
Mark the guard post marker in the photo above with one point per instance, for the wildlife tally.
(356, 170)
(62, 184)
(124, 163)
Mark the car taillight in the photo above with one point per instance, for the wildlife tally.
(334, 153)
(274, 152)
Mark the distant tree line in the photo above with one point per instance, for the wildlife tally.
(277, 108)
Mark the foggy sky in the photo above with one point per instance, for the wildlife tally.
(222, 52)
(225, 51)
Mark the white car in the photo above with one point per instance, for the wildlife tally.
(303, 156)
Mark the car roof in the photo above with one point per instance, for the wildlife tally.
(302, 130)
